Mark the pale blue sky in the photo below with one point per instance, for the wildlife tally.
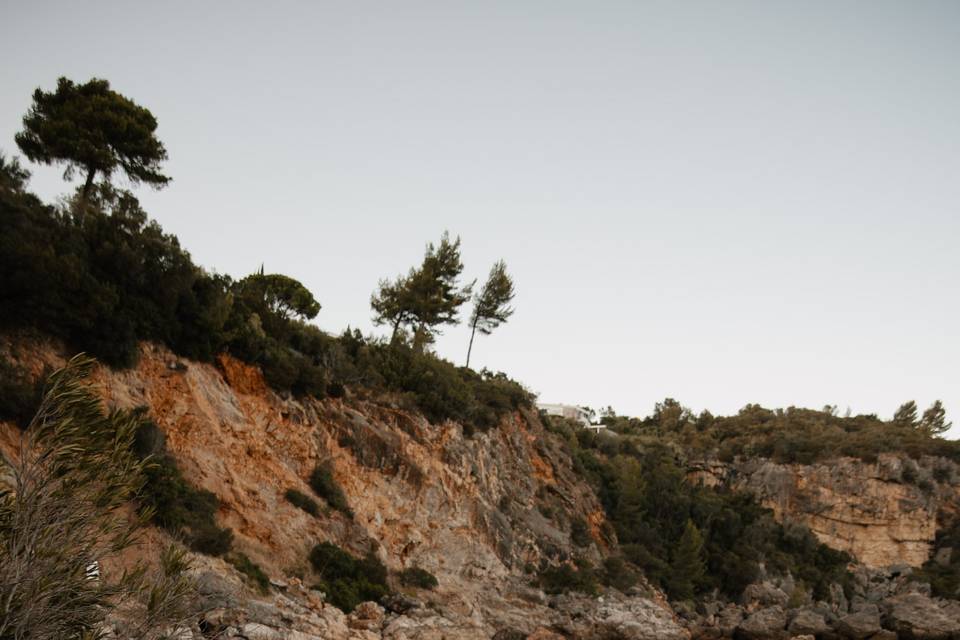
(723, 202)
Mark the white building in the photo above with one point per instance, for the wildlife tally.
(570, 412)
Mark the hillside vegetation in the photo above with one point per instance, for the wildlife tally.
(100, 275)
(791, 435)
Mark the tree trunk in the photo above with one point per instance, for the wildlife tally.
(91, 172)
(396, 326)
(473, 332)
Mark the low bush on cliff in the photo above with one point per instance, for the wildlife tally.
(580, 577)
(302, 501)
(251, 570)
(175, 504)
(417, 577)
(346, 580)
(580, 533)
(325, 485)
(619, 574)
(438, 388)
(20, 395)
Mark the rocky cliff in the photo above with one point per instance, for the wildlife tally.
(424, 495)
(883, 513)
(483, 513)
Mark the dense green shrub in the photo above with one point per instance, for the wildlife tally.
(417, 577)
(580, 533)
(302, 501)
(19, 395)
(619, 574)
(176, 505)
(325, 485)
(348, 581)
(251, 570)
(566, 577)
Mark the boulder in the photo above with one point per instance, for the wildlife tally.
(615, 616)
(367, 616)
(808, 622)
(399, 603)
(257, 631)
(860, 625)
(765, 594)
(765, 624)
(916, 616)
(728, 619)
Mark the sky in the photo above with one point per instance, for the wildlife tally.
(720, 202)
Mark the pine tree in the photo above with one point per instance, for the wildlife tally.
(95, 130)
(934, 420)
(687, 567)
(427, 297)
(492, 305)
(906, 415)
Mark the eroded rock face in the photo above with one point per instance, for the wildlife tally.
(422, 495)
(882, 513)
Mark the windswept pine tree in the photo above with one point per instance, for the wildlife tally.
(426, 298)
(492, 304)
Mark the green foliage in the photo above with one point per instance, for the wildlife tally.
(566, 577)
(93, 129)
(444, 392)
(690, 539)
(619, 574)
(77, 472)
(417, 577)
(427, 297)
(172, 502)
(251, 570)
(686, 566)
(792, 435)
(302, 501)
(277, 295)
(20, 395)
(906, 414)
(491, 306)
(346, 580)
(13, 177)
(580, 532)
(934, 420)
(325, 485)
(102, 277)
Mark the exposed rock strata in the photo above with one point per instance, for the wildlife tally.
(882, 513)
(422, 494)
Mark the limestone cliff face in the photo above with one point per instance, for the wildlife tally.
(883, 513)
(464, 508)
